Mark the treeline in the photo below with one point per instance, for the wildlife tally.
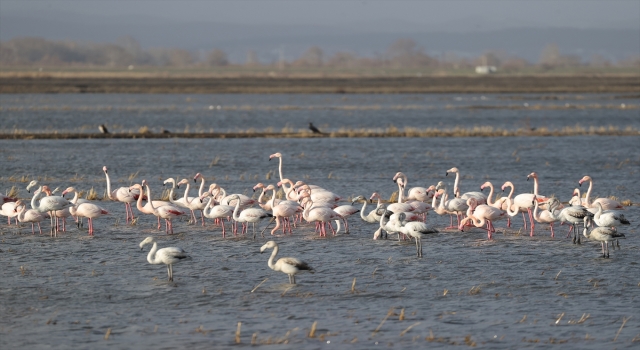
(403, 53)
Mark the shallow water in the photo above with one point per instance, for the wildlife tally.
(232, 112)
(74, 287)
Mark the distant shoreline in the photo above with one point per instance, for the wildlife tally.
(99, 83)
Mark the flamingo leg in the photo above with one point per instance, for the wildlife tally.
(524, 221)
(552, 234)
(533, 225)
(39, 229)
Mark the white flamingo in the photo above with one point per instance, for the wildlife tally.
(290, 266)
(415, 193)
(479, 196)
(121, 194)
(248, 215)
(606, 203)
(49, 204)
(218, 212)
(167, 256)
(372, 217)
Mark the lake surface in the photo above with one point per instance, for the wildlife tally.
(231, 113)
(515, 291)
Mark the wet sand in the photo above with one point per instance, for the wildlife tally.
(70, 83)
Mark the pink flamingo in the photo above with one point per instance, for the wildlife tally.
(455, 206)
(419, 207)
(168, 212)
(481, 215)
(85, 210)
(546, 216)
(523, 203)
(32, 216)
(121, 194)
(49, 204)
(394, 207)
(606, 203)
(282, 211)
(321, 215)
(8, 210)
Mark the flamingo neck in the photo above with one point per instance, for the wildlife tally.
(139, 202)
(588, 195)
(236, 216)
(111, 195)
(490, 200)
(35, 204)
(272, 258)
(511, 210)
(535, 185)
(151, 257)
(149, 199)
(186, 194)
(400, 193)
(273, 198)
(201, 189)
(364, 206)
(284, 187)
(456, 190)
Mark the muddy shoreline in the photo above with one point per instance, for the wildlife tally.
(273, 85)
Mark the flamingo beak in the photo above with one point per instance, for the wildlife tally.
(446, 174)
(580, 184)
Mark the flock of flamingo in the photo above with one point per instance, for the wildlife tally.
(306, 202)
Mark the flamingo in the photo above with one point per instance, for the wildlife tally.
(49, 204)
(181, 202)
(318, 195)
(31, 215)
(282, 211)
(231, 199)
(394, 207)
(168, 212)
(602, 234)
(217, 212)
(121, 194)
(606, 203)
(192, 203)
(372, 217)
(609, 218)
(346, 211)
(167, 256)
(418, 206)
(8, 210)
(251, 215)
(415, 193)
(481, 215)
(5, 199)
(457, 206)
(85, 210)
(290, 266)
(416, 230)
(391, 225)
(540, 198)
(479, 196)
(523, 202)
(320, 215)
(546, 216)
(574, 214)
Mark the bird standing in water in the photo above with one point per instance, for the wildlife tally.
(103, 129)
(314, 129)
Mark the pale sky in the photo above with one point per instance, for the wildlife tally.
(425, 13)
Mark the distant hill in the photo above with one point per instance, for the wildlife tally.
(363, 39)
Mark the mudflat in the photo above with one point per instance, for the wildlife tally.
(84, 83)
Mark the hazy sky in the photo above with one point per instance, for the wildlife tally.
(424, 13)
